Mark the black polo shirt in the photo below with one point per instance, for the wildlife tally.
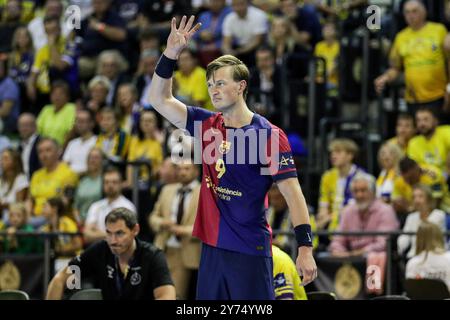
(148, 270)
(95, 42)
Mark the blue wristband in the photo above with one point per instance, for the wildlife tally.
(303, 235)
(165, 67)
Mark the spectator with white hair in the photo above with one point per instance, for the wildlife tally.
(98, 88)
(112, 65)
(366, 214)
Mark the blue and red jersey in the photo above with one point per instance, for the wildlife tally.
(233, 198)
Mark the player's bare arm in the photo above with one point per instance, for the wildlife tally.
(291, 191)
(160, 96)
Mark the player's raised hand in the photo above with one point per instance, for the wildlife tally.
(306, 266)
(179, 37)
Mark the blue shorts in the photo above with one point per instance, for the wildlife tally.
(229, 275)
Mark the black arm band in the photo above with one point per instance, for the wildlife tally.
(165, 67)
(303, 235)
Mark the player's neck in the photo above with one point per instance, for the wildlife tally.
(238, 116)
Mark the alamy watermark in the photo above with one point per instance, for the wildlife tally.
(374, 19)
(73, 282)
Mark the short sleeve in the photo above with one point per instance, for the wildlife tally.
(11, 92)
(21, 182)
(261, 24)
(196, 115)
(226, 29)
(159, 271)
(284, 166)
(88, 260)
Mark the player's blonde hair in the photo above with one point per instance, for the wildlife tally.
(239, 69)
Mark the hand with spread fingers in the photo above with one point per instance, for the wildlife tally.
(179, 37)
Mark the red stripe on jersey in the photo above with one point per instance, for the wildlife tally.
(206, 226)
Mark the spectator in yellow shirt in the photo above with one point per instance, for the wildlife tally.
(55, 61)
(335, 183)
(113, 141)
(145, 146)
(419, 51)
(57, 119)
(432, 144)
(59, 220)
(404, 131)
(411, 175)
(49, 181)
(190, 80)
(329, 50)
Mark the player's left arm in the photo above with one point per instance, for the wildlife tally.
(292, 192)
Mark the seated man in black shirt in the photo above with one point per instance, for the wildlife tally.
(122, 266)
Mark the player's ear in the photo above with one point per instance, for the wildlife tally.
(242, 86)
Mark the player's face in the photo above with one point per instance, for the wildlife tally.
(119, 237)
(426, 123)
(223, 90)
(405, 128)
(340, 157)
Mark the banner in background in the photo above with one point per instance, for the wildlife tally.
(23, 272)
(343, 276)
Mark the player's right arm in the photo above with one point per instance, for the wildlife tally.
(56, 287)
(160, 96)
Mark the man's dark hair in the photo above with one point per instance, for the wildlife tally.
(128, 216)
(407, 164)
(426, 108)
(45, 139)
(112, 169)
(63, 85)
(405, 116)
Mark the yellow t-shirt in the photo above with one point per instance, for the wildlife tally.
(334, 193)
(432, 178)
(45, 185)
(146, 149)
(56, 125)
(330, 54)
(287, 282)
(65, 224)
(193, 87)
(421, 55)
(41, 65)
(434, 151)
